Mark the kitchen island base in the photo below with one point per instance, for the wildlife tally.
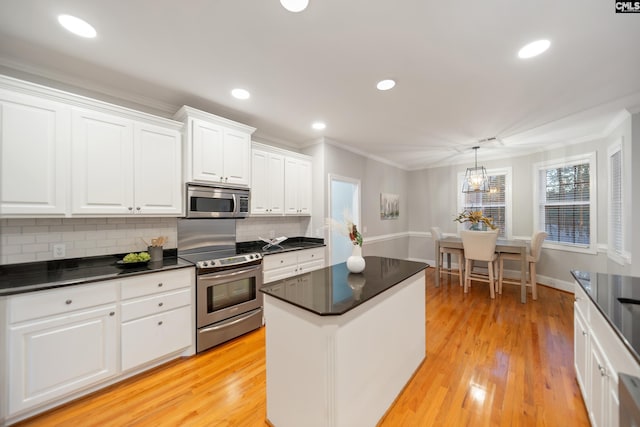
(343, 370)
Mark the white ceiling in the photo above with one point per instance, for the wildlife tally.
(458, 77)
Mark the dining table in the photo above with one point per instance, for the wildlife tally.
(502, 246)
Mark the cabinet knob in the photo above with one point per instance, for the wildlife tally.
(68, 302)
(113, 313)
(160, 323)
(130, 208)
(603, 371)
(160, 304)
(138, 208)
(226, 178)
(160, 284)
(281, 261)
(584, 333)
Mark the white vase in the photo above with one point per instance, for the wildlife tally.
(355, 263)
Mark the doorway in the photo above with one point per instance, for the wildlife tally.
(344, 203)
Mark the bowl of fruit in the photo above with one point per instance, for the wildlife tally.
(134, 259)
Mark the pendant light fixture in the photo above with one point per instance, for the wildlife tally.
(476, 179)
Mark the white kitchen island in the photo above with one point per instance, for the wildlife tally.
(340, 347)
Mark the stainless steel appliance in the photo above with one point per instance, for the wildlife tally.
(228, 297)
(629, 397)
(216, 201)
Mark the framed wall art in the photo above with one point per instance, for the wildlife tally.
(389, 206)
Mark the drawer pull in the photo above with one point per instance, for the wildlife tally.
(603, 371)
(112, 313)
(68, 302)
(281, 261)
(160, 323)
(160, 304)
(160, 284)
(584, 333)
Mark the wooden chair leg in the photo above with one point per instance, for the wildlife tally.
(492, 283)
(467, 280)
(532, 276)
(500, 275)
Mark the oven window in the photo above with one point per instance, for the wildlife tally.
(207, 204)
(230, 293)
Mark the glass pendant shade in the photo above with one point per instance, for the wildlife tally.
(476, 179)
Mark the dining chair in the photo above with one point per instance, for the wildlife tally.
(436, 234)
(480, 246)
(532, 258)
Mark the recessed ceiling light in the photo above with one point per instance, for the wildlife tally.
(240, 93)
(385, 84)
(294, 5)
(319, 126)
(77, 26)
(534, 49)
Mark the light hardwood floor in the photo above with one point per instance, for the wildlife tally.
(489, 363)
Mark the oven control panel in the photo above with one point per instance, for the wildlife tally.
(236, 260)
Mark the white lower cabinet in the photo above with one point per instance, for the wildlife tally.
(69, 341)
(287, 264)
(157, 321)
(55, 355)
(600, 356)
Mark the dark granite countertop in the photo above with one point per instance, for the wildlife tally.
(36, 276)
(291, 244)
(618, 299)
(333, 291)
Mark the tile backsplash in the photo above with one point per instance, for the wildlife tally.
(255, 227)
(33, 239)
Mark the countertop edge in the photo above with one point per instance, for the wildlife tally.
(83, 281)
(423, 267)
(617, 331)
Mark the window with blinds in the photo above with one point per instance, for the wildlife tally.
(565, 195)
(615, 205)
(492, 204)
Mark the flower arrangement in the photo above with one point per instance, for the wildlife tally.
(475, 217)
(354, 234)
(346, 228)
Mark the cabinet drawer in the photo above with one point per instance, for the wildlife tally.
(155, 304)
(308, 255)
(280, 260)
(309, 266)
(278, 273)
(62, 300)
(152, 337)
(149, 284)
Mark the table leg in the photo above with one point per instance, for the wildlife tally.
(523, 275)
(448, 261)
(437, 259)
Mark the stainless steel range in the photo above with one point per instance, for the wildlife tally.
(228, 297)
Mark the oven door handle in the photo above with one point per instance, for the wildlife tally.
(225, 275)
(227, 324)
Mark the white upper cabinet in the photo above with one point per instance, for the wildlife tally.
(124, 167)
(158, 170)
(267, 183)
(297, 195)
(217, 150)
(66, 155)
(102, 158)
(280, 181)
(34, 155)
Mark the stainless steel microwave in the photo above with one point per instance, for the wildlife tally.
(216, 201)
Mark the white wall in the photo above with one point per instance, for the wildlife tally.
(434, 203)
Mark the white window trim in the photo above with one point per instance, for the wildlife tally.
(593, 210)
(623, 256)
(507, 172)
